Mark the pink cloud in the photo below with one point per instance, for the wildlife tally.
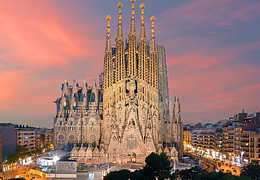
(221, 13)
(40, 44)
(37, 52)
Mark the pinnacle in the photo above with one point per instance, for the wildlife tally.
(108, 17)
(119, 4)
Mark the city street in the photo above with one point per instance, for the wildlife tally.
(19, 172)
(218, 165)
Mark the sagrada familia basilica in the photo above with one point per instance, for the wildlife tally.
(129, 114)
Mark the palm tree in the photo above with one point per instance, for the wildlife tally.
(251, 170)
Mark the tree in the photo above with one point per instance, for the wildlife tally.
(119, 175)
(21, 150)
(13, 158)
(157, 166)
(251, 170)
(190, 174)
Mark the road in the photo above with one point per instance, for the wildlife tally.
(21, 171)
(209, 164)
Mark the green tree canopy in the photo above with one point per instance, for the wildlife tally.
(158, 166)
(119, 175)
(12, 159)
(21, 150)
(251, 170)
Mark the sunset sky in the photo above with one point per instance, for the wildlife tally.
(212, 48)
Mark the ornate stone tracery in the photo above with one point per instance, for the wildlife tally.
(129, 115)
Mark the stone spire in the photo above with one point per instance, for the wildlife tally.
(120, 52)
(132, 47)
(142, 29)
(108, 69)
(177, 110)
(64, 88)
(108, 40)
(152, 48)
(153, 61)
(119, 27)
(142, 50)
(84, 93)
(132, 26)
(73, 91)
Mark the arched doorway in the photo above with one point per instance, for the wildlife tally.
(134, 158)
(129, 160)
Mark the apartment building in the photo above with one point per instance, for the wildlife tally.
(236, 139)
(254, 146)
(44, 139)
(219, 139)
(204, 141)
(187, 137)
(26, 138)
(194, 138)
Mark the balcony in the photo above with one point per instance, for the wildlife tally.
(245, 136)
(243, 140)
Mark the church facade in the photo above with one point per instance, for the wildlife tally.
(129, 114)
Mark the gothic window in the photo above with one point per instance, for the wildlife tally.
(59, 143)
(133, 144)
(81, 138)
(129, 144)
(71, 137)
(61, 136)
(60, 122)
(71, 122)
(93, 97)
(92, 138)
